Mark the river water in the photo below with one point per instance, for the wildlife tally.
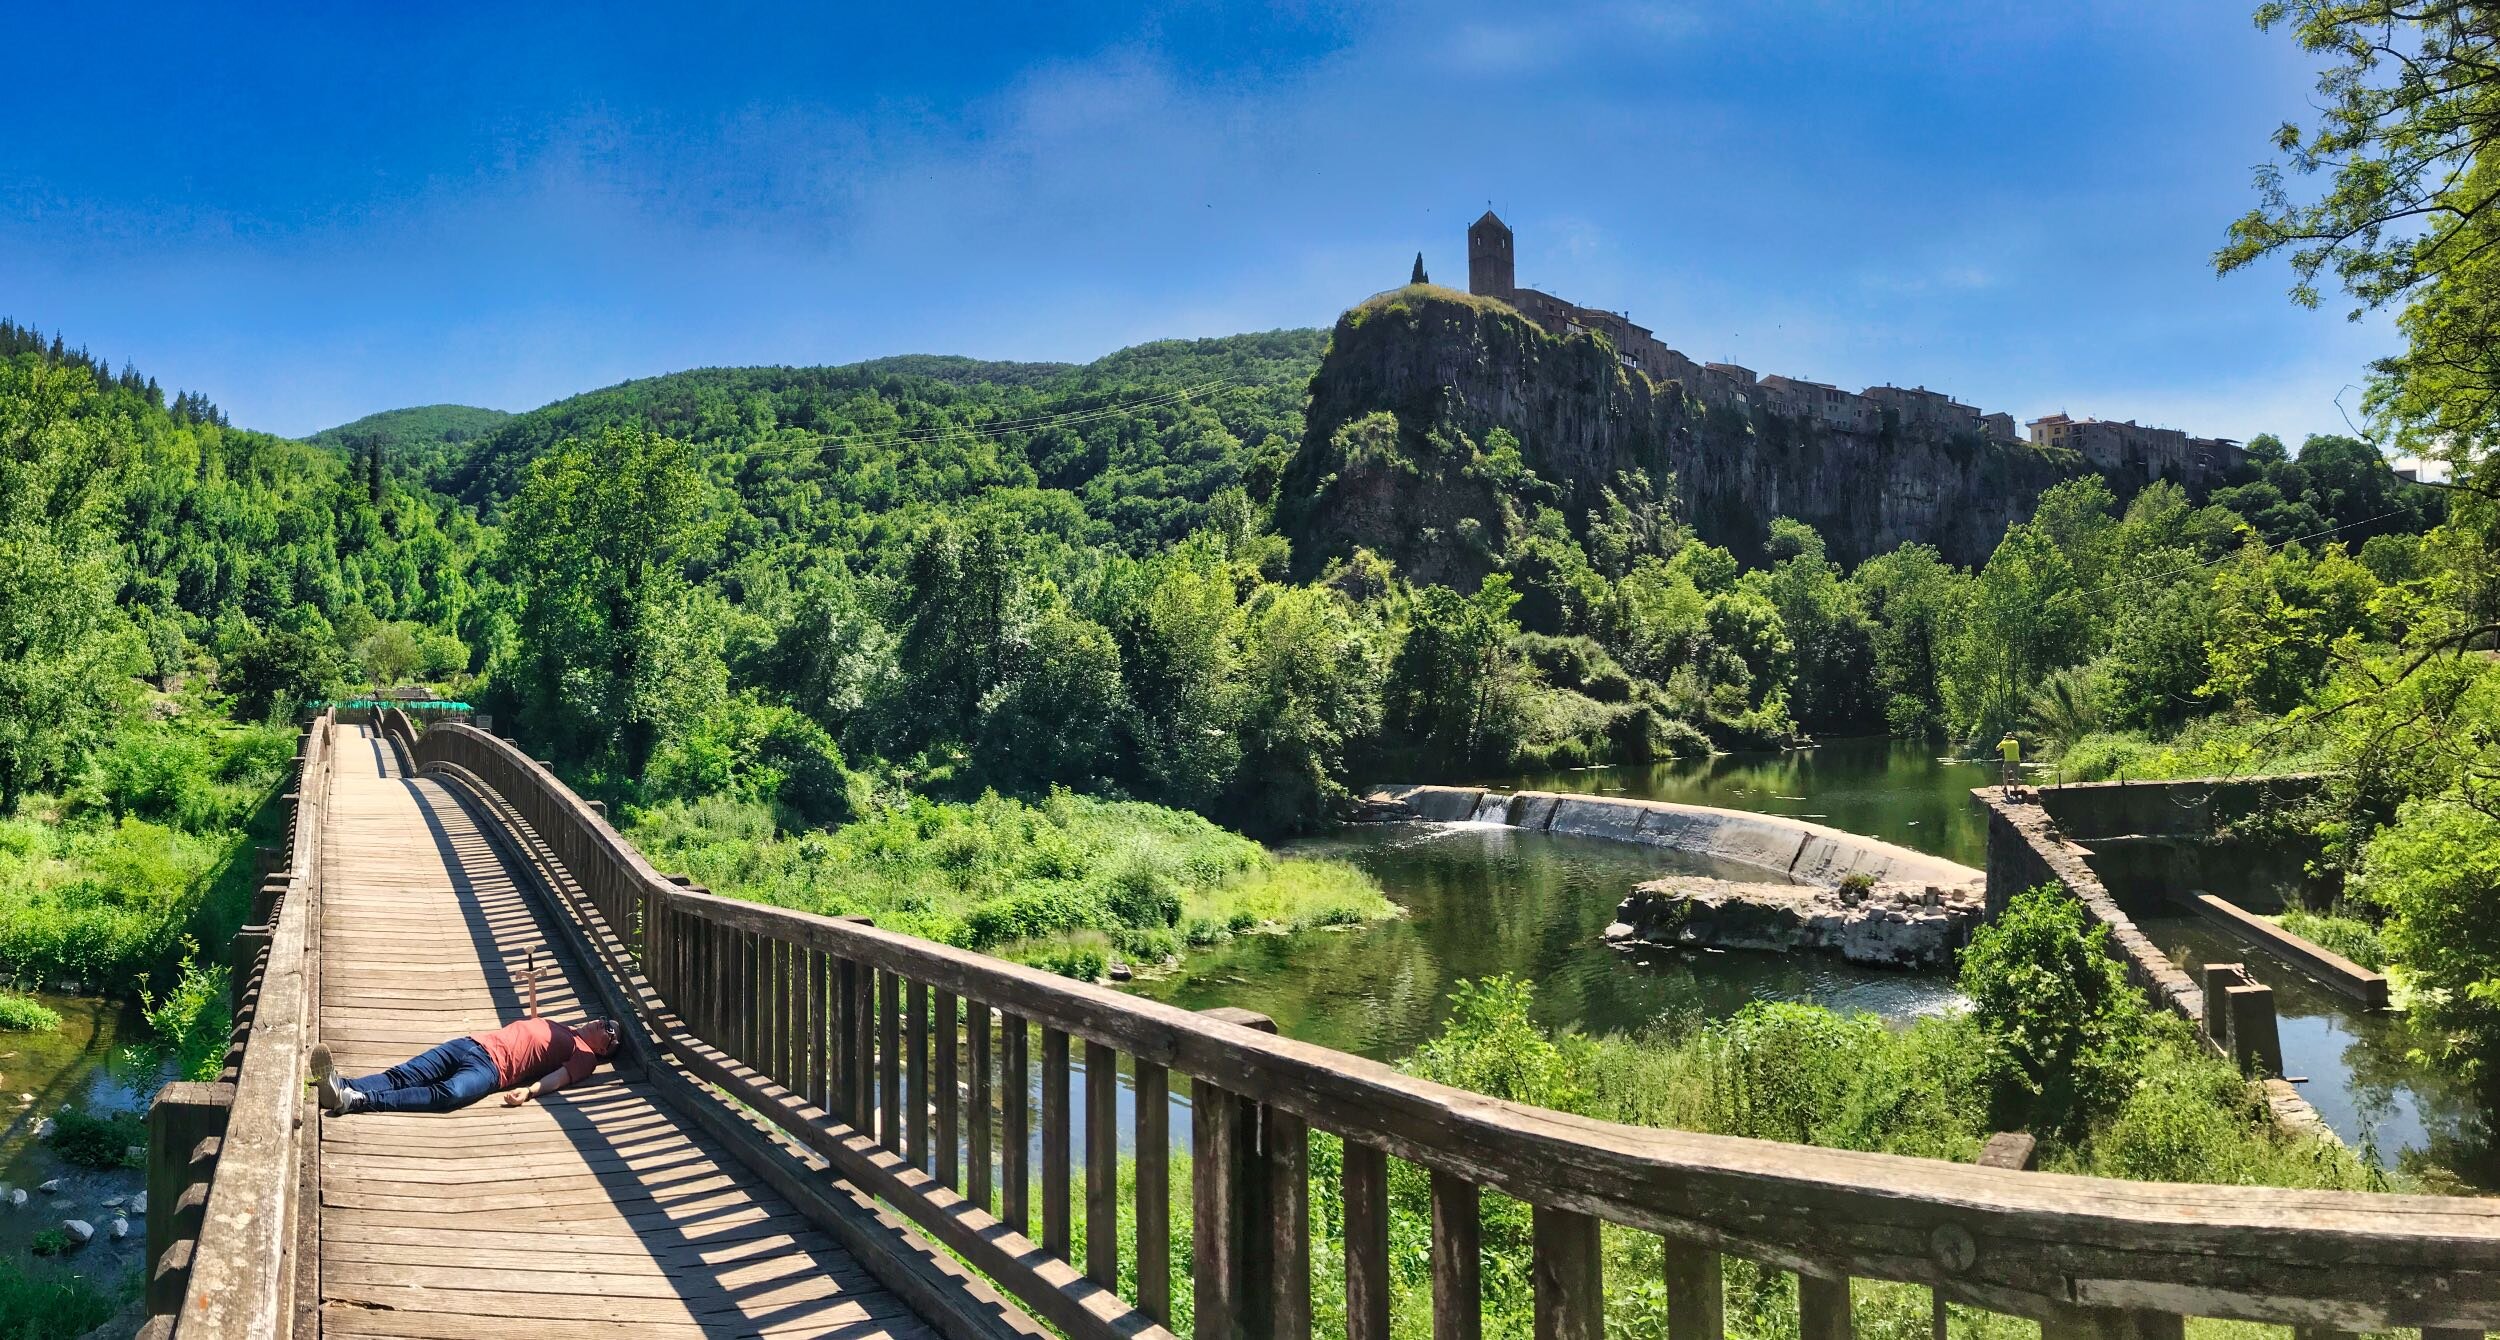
(88, 1064)
(1482, 899)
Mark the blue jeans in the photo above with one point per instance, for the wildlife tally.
(446, 1079)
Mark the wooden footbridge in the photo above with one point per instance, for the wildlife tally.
(819, 1128)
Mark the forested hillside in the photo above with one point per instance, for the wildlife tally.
(426, 441)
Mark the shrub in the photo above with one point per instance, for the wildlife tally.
(1490, 1045)
(2351, 937)
(2067, 1030)
(1027, 916)
(96, 1142)
(25, 1014)
(2435, 872)
(193, 1023)
(1677, 738)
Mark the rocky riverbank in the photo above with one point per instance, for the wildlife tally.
(1900, 925)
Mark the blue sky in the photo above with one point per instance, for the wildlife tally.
(315, 212)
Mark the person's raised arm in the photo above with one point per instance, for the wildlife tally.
(531, 974)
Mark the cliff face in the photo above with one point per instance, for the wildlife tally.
(1402, 455)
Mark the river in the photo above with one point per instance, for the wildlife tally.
(90, 1065)
(1481, 899)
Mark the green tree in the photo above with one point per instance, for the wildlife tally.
(390, 653)
(2027, 617)
(274, 672)
(2435, 873)
(1913, 600)
(1311, 695)
(67, 653)
(614, 652)
(1454, 679)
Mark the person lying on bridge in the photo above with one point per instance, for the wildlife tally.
(529, 1059)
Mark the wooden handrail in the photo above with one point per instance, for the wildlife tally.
(823, 1025)
(223, 1253)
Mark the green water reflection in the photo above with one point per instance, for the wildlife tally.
(1482, 899)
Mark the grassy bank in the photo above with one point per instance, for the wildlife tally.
(47, 1302)
(1070, 883)
(101, 881)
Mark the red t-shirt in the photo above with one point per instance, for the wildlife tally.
(534, 1047)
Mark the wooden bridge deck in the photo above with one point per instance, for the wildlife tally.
(591, 1212)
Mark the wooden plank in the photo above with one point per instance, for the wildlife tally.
(1285, 1151)
(1102, 1165)
(819, 1033)
(947, 1080)
(1568, 1262)
(890, 1061)
(1055, 1140)
(1366, 1197)
(1153, 1090)
(1015, 1136)
(916, 1068)
(977, 1101)
(1823, 1308)
(1222, 1138)
(1457, 1259)
(1696, 1295)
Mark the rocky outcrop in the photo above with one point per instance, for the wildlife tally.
(1781, 847)
(1890, 925)
(1426, 488)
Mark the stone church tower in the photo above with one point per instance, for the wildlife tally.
(1489, 271)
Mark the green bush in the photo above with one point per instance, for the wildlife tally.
(97, 1142)
(25, 1014)
(2351, 937)
(2435, 873)
(193, 1022)
(2066, 1028)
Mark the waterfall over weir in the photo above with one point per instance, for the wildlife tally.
(1492, 808)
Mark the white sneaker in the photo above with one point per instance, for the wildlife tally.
(334, 1097)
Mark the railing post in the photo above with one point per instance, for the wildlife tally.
(1696, 1292)
(1568, 1262)
(1229, 1188)
(184, 1124)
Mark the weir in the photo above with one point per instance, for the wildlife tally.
(807, 1108)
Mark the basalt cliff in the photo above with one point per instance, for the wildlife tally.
(1441, 424)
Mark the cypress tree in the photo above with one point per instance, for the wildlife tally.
(1420, 277)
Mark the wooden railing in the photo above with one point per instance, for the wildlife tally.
(228, 1159)
(913, 1070)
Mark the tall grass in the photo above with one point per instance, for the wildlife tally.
(101, 882)
(1070, 883)
(43, 1303)
(25, 1014)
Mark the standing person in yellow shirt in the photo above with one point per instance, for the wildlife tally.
(2011, 751)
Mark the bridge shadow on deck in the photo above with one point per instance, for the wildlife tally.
(734, 1257)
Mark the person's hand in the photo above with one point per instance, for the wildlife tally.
(516, 1097)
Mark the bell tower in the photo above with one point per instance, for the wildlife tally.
(1489, 272)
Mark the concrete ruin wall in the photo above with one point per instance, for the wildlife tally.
(1806, 852)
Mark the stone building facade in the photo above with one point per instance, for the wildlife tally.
(2157, 453)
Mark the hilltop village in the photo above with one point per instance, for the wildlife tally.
(2108, 444)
